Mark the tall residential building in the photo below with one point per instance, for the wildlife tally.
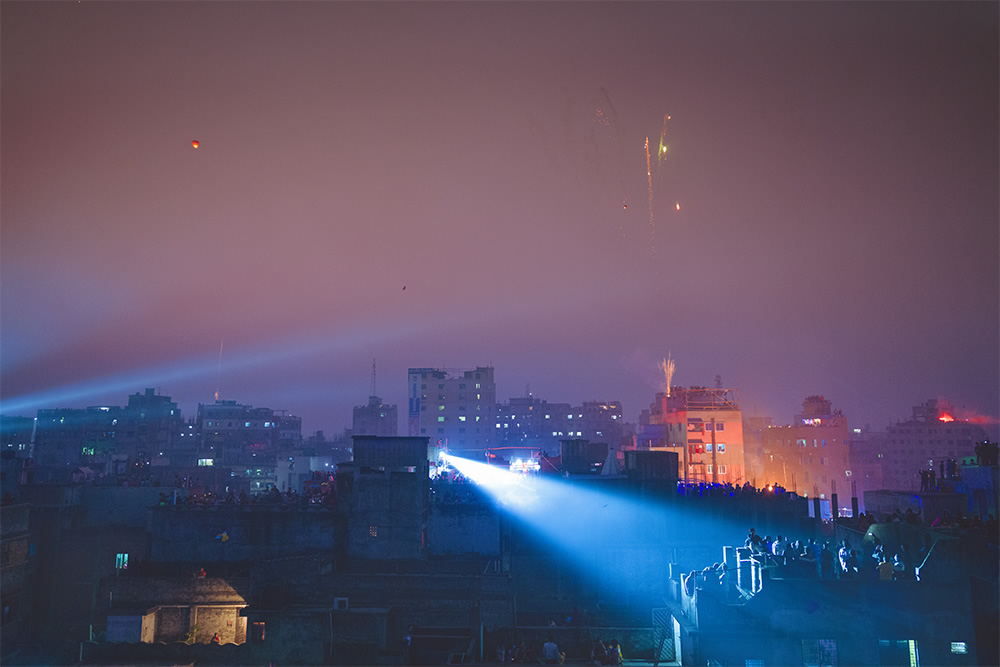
(704, 426)
(376, 418)
(753, 447)
(926, 442)
(538, 424)
(811, 456)
(532, 422)
(149, 425)
(453, 408)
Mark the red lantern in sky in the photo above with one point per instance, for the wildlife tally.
(194, 144)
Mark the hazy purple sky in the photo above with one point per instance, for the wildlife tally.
(836, 165)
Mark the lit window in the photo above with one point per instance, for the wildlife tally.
(121, 561)
(959, 647)
(722, 446)
(708, 447)
(440, 419)
(372, 531)
(257, 631)
(440, 407)
(461, 418)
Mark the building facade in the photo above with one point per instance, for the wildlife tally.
(376, 418)
(537, 424)
(932, 440)
(242, 435)
(811, 456)
(453, 409)
(705, 426)
(130, 436)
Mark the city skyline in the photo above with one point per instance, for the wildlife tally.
(466, 184)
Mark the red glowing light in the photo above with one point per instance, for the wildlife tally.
(945, 417)
(195, 144)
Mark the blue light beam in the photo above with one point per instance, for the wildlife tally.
(602, 533)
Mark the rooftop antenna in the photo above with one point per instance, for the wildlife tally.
(372, 392)
(527, 390)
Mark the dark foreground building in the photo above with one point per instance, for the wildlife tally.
(388, 566)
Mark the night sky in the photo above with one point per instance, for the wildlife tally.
(463, 184)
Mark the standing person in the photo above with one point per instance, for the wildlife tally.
(614, 654)
(598, 653)
(852, 564)
(826, 561)
(843, 555)
(550, 652)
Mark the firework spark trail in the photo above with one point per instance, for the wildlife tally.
(218, 381)
(662, 152)
(649, 179)
(668, 367)
(607, 117)
(604, 121)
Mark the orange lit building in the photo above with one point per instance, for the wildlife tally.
(705, 427)
(810, 457)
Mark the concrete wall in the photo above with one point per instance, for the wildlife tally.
(460, 529)
(124, 628)
(387, 515)
(190, 534)
(172, 623)
(108, 505)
